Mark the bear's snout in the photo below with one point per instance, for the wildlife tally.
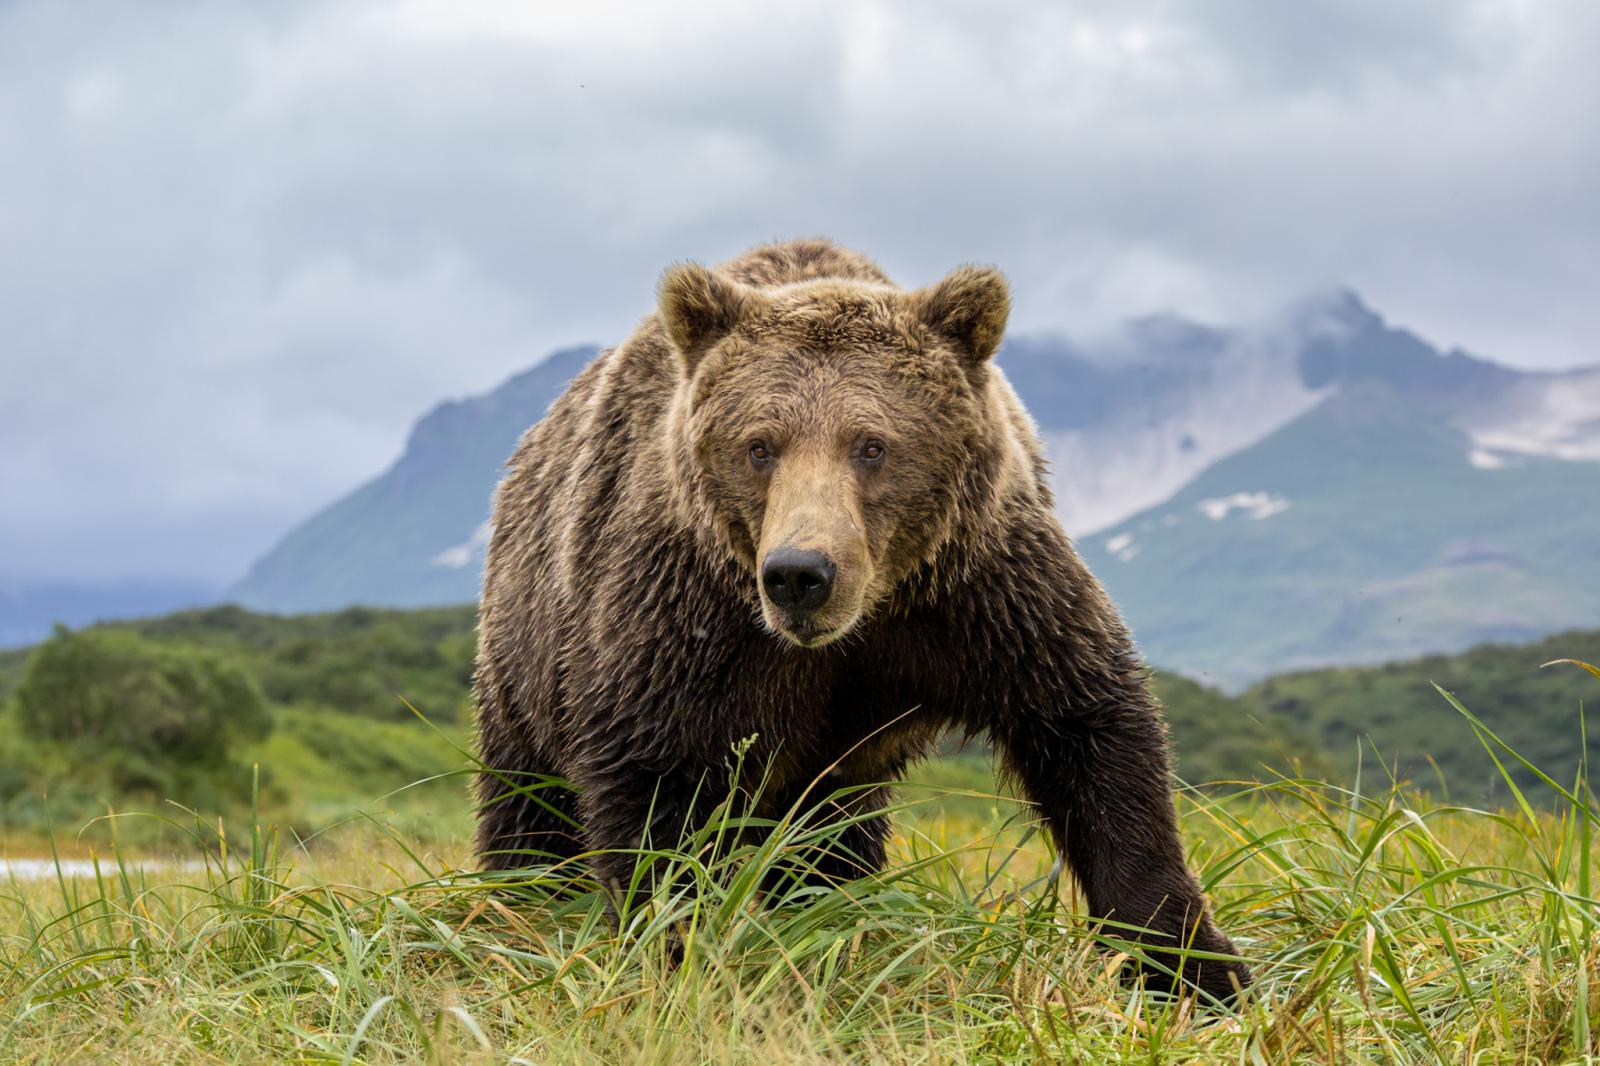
(797, 581)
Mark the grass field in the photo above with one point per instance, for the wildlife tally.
(1382, 930)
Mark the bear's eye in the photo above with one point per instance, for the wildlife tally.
(760, 454)
(872, 450)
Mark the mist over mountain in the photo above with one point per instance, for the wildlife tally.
(1317, 488)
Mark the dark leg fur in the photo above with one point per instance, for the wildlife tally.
(616, 807)
(632, 807)
(525, 818)
(856, 850)
(1079, 729)
(1101, 782)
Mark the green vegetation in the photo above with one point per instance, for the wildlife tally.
(128, 716)
(1391, 719)
(357, 661)
(1216, 738)
(338, 728)
(108, 710)
(1382, 930)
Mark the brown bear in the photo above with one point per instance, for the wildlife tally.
(800, 502)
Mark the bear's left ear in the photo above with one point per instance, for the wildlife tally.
(699, 307)
(969, 307)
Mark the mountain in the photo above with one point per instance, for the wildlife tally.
(1361, 532)
(414, 535)
(1426, 503)
(1132, 419)
(1320, 487)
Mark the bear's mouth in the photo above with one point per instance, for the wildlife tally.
(808, 634)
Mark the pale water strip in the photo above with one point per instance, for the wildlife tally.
(42, 869)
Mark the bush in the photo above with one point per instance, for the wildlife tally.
(156, 714)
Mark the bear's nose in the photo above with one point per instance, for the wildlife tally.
(797, 579)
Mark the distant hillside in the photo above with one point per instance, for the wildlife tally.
(342, 737)
(339, 684)
(365, 664)
(1396, 716)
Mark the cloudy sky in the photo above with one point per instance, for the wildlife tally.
(242, 246)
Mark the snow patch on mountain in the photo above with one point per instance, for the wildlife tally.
(469, 550)
(1253, 505)
(1484, 459)
(1122, 546)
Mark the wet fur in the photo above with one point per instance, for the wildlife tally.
(620, 639)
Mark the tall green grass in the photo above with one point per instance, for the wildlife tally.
(1382, 929)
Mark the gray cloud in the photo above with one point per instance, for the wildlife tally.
(242, 246)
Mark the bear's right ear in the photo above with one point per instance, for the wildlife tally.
(699, 307)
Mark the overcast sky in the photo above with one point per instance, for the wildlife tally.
(243, 246)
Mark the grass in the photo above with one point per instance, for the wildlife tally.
(1382, 930)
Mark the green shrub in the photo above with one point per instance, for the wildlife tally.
(153, 714)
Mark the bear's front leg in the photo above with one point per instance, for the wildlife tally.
(1100, 779)
(845, 834)
(1065, 699)
(633, 808)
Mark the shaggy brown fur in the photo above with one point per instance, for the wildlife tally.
(795, 399)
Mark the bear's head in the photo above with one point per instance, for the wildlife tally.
(832, 429)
